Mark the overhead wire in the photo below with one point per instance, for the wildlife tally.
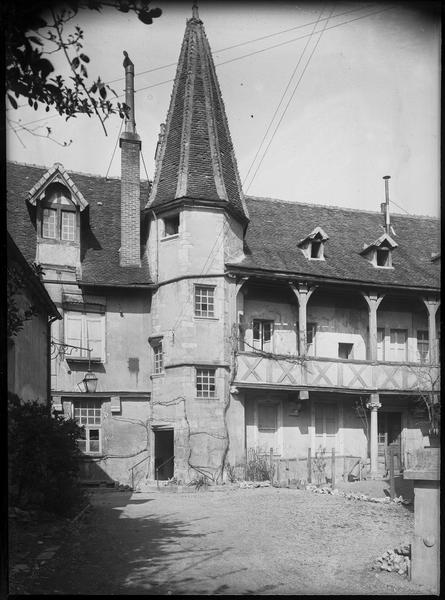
(239, 57)
(287, 105)
(282, 98)
(238, 45)
(114, 151)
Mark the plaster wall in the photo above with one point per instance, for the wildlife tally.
(335, 324)
(124, 442)
(284, 317)
(233, 240)
(127, 357)
(198, 422)
(188, 338)
(58, 253)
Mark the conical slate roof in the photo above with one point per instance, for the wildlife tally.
(196, 158)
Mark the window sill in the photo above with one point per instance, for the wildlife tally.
(381, 267)
(86, 455)
(157, 375)
(199, 318)
(206, 398)
(173, 236)
(82, 360)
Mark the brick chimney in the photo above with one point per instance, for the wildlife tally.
(130, 144)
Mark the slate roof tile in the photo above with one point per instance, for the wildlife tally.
(100, 224)
(276, 227)
(196, 158)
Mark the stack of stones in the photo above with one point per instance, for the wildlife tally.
(397, 560)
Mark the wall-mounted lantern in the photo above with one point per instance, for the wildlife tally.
(89, 382)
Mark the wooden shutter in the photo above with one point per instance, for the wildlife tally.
(73, 333)
(94, 335)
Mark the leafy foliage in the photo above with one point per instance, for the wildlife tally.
(258, 466)
(43, 458)
(34, 30)
(319, 465)
(18, 309)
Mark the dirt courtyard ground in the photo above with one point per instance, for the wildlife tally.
(266, 541)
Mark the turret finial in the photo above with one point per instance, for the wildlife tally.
(195, 13)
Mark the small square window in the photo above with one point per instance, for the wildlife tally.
(171, 225)
(345, 350)
(204, 301)
(205, 383)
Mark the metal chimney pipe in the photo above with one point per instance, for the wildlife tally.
(130, 124)
(387, 218)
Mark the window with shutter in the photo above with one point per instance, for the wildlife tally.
(326, 425)
(398, 345)
(87, 331)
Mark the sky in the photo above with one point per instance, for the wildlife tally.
(340, 94)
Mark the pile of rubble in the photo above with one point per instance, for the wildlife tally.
(353, 496)
(253, 484)
(397, 560)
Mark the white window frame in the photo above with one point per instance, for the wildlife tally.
(58, 203)
(205, 381)
(158, 357)
(82, 340)
(261, 343)
(209, 312)
(89, 405)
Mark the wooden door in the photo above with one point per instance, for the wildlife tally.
(390, 436)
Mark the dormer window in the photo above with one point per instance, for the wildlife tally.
(379, 253)
(383, 257)
(59, 215)
(316, 249)
(312, 245)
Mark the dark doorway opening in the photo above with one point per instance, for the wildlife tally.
(164, 454)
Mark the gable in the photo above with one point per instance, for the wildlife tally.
(56, 174)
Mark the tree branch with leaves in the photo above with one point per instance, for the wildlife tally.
(36, 30)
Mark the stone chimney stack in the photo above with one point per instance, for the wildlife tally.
(130, 144)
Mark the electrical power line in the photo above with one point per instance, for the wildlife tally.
(287, 105)
(281, 99)
(239, 57)
(238, 45)
(114, 151)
